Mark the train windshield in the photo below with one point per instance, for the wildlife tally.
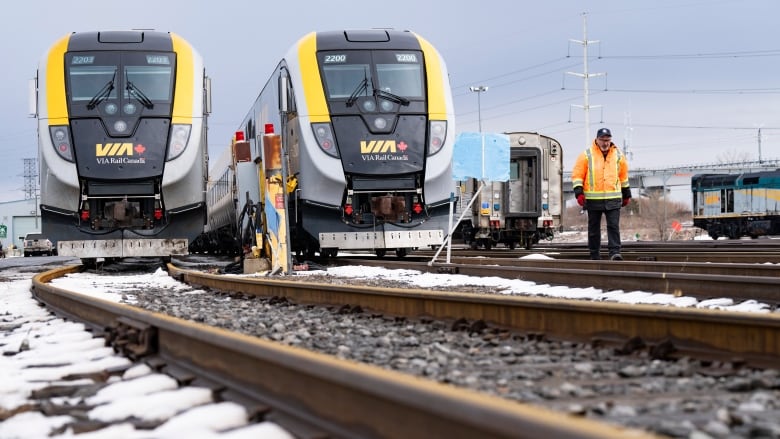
(150, 74)
(386, 73)
(91, 74)
(133, 77)
(401, 78)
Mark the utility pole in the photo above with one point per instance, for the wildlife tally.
(31, 183)
(760, 161)
(627, 136)
(586, 76)
(479, 89)
(30, 178)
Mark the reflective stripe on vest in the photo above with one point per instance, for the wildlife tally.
(592, 194)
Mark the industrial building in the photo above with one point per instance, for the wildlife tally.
(18, 218)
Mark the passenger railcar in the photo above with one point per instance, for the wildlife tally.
(233, 198)
(367, 130)
(736, 205)
(525, 209)
(122, 143)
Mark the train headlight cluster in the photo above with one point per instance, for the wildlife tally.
(324, 136)
(437, 135)
(180, 135)
(60, 138)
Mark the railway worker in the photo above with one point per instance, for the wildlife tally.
(600, 183)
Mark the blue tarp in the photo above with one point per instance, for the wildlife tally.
(467, 157)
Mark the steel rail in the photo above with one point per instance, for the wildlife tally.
(609, 276)
(750, 338)
(722, 256)
(336, 398)
(762, 270)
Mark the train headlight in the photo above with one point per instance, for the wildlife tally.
(437, 135)
(369, 105)
(180, 136)
(60, 138)
(324, 136)
(120, 126)
(380, 123)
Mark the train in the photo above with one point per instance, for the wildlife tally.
(122, 145)
(524, 210)
(737, 205)
(366, 125)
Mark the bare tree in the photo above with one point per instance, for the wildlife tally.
(733, 156)
(652, 210)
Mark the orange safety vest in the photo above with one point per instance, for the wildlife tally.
(601, 178)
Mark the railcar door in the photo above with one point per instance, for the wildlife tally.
(524, 187)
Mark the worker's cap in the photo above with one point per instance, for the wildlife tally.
(603, 132)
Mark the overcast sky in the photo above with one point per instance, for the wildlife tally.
(687, 81)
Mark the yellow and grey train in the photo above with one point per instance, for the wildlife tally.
(367, 132)
(122, 144)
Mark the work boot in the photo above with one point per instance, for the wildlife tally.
(616, 257)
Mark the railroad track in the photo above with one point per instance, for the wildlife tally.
(748, 338)
(723, 343)
(310, 394)
(760, 251)
(695, 279)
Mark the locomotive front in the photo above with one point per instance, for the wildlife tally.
(387, 123)
(122, 144)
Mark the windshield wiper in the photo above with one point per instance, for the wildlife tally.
(102, 94)
(391, 97)
(135, 92)
(361, 87)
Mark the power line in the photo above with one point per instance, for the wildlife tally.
(703, 127)
(527, 98)
(741, 54)
(465, 85)
(749, 53)
(694, 91)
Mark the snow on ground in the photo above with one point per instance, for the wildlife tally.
(498, 285)
(40, 349)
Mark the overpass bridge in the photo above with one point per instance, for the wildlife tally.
(644, 181)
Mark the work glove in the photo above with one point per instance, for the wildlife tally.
(625, 201)
(581, 200)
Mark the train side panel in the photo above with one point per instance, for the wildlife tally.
(736, 205)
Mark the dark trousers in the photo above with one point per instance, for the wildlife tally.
(594, 232)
